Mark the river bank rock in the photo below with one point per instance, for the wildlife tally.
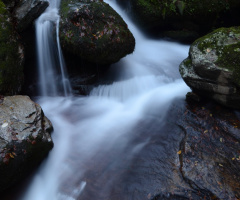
(212, 68)
(11, 55)
(93, 31)
(24, 138)
(25, 12)
(185, 20)
(208, 152)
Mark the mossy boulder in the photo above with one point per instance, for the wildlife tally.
(94, 32)
(24, 138)
(197, 17)
(11, 55)
(213, 66)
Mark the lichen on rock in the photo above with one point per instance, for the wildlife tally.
(213, 66)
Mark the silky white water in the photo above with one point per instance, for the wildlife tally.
(88, 129)
(52, 72)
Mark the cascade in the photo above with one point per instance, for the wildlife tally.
(53, 79)
(97, 137)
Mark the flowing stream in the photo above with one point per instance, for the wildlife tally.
(52, 73)
(96, 137)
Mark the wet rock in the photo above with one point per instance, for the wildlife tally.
(210, 151)
(11, 55)
(93, 31)
(193, 154)
(24, 138)
(27, 11)
(212, 68)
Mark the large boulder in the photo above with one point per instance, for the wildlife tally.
(24, 138)
(11, 55)
(93, 31)
(213, 66)
(183, 19)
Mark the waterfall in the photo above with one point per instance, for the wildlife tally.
(52, 73)
(97, 137)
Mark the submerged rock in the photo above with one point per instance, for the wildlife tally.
(93, 31)
(11, 55)
(213, 66)
(24, 138)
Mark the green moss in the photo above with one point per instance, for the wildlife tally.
(225, 42)
(230, 59)
(188, 63)
(11, 71)
(216, 39)
(167, 13)
(94, 31)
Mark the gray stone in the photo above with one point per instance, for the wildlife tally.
(27, 11)
(212, 68)
(24, 138)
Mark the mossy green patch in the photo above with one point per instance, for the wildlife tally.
(188, 63)
(200, 16)
(225, 42)
(11, 69)
(230, 59)
(94, 31)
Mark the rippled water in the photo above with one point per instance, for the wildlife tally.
(98, 137)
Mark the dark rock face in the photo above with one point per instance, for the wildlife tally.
(27, 11)
(194, 154)
(212, 68)
(185, 20)
(24, 138)
(93, 31)
(11, 55)
(210, 151)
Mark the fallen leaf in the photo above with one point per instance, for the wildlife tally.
(149, 196)
(205, 131)
(4, 125)
(179, 152)
(220, 165)
(12, 156)
(208, 50)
